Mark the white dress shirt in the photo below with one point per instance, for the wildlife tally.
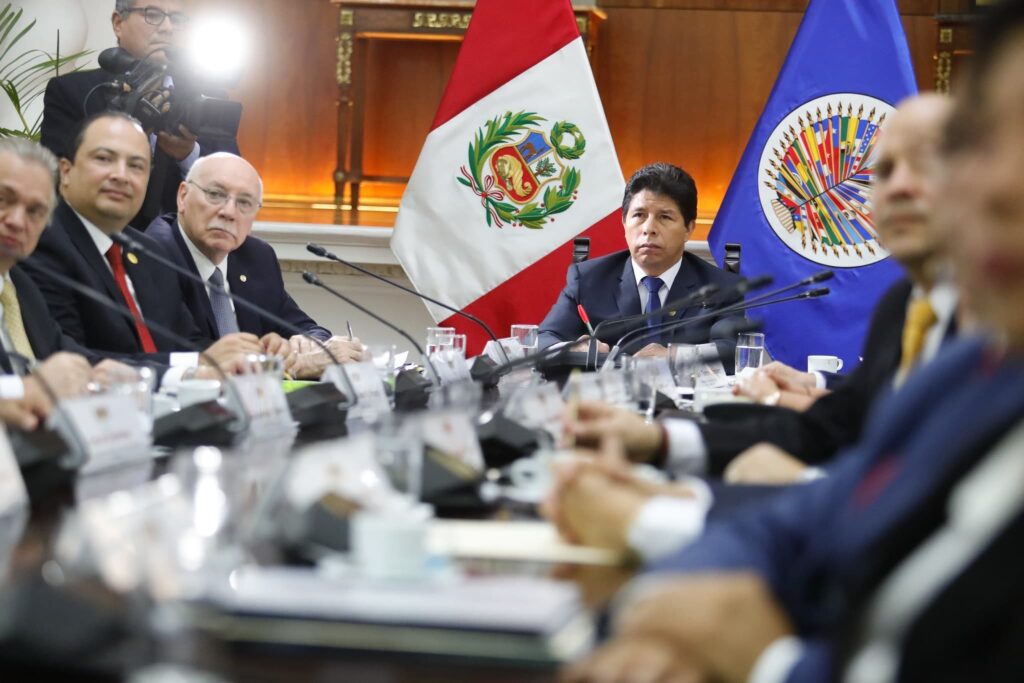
(180, 361)
(668, 277)
(206, 267)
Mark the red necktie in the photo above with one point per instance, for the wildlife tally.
(117, 266)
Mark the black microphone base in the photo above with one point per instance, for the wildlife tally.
(503, 440)
(559, 367)
(412, 391)
(203, 424)
(320, 411)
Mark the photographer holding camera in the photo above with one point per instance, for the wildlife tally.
(143, 78)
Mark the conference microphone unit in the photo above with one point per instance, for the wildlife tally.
(207, 423)
(702, 296)
(313, 406)
(318, 250)
(414, 388)
(738, 328)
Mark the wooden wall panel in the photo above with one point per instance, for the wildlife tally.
(682, 80)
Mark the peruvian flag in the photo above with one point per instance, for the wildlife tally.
(518, 162)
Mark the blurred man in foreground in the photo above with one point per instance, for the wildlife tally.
(905, 563)
(35, 356)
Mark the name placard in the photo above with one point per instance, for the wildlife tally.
(451, 366)
(371, 398)
(107, 430)
(452, 433)
(263, 399)
(512, 347)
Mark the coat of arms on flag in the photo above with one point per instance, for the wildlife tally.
(799, 199)
(518, 163)
(510, 162)
(816, 168)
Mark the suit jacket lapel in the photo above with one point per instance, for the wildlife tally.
(90, 254)
(239, 282)
(684, 285)
(204, 315)
(628, 297)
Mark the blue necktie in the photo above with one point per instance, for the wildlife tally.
(221, 304)
(653, 285)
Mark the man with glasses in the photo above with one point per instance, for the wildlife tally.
(217, 206)
(102, 183)
(144, 29)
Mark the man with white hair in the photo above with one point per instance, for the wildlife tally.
(211, 236)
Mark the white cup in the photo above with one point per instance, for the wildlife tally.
(824, 363)
(391, 544)
(192, 391)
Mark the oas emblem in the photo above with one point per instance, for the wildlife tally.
(815, 179)
(520, 173)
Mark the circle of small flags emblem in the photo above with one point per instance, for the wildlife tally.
(520, 172)
(815, 176)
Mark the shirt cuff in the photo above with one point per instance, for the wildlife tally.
(184, 359)
(777, 661)
(12, 388)
(819, 380)
(687, 453)
(666, 524)
(186, 164)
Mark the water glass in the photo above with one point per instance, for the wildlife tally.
(749, 351)
(439, 338)
(645, 382)
(459, 344)
(383, 358)
(526, 335)
(684, 359)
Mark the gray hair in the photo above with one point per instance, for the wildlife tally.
(33, 153)
(121, 6)
(201, 161)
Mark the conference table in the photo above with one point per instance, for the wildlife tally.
(34, 560)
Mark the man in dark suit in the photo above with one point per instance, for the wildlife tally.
(777, 447)
(29, 333)
(659, 212)
(142, 29)
(102, 184)
(211, 236)
(905, 564)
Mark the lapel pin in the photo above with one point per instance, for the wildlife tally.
(243, 278)
(133, 259)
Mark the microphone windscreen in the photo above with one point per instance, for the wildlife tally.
(116, 60)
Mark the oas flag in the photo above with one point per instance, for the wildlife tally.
(518, 162)
(800, 199)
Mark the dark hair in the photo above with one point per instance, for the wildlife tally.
(664, 179)
(76, 142)
(1002, 23)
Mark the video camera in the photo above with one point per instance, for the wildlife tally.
(207, 117)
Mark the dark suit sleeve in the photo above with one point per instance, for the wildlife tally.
(834, 420)
(62, 114)
(562, 323)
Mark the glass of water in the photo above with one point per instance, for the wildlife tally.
(439, 339)
(749, 351)
(527, 337)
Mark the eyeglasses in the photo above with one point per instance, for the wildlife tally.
(155, 16)
(246, 206)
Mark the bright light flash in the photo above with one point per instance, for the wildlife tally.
(218, 47)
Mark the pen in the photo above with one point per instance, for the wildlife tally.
(585, 318)
(349, 326)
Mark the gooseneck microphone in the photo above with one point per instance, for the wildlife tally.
(738, 308)
(318, 250)
(244, 419)
(134, 245)
(316, 281)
